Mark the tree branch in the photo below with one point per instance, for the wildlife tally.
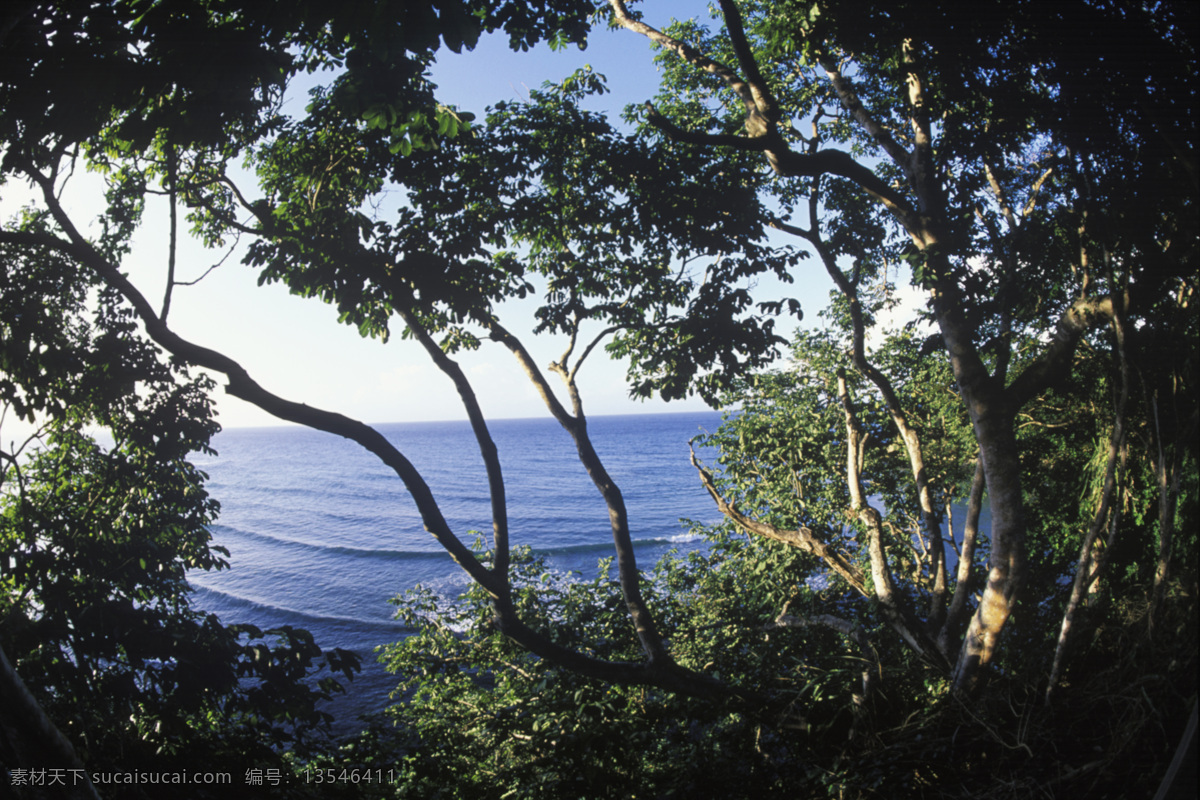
(1034, 191)
(1001, 199)
(576, 426)
(487, 447)
(660, 670)
(850, 100)
(966, 563)
(242, 386)
(592, 345)
(802, 538)
(663, 674)
(762, 118)
(754, 144)
(1083, 315)
(920, 167)
(173, 177)
(911, 438)
(691, 55)
(1089, 565)
(881, 574)
(501, 334)
(764, 101)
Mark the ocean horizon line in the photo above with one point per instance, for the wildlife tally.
(286, 425)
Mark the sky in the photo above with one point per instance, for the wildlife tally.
(295, 348)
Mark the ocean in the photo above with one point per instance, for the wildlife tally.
(321, 534)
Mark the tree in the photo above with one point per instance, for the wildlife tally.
(96, 538)
(316, 171)
(100, 639)
(443, 280)
(967, 129)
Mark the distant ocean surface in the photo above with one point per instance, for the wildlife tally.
(321, 534)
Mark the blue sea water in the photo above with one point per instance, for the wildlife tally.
(321, 534)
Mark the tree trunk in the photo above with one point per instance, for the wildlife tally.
(1167, 471)
(33, 738)
(1006, 564)
(966, 564)
(1087, 570)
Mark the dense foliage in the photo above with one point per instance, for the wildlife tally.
(852, 711)
(100, 517)
(1028, 167)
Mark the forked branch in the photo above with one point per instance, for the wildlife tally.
(762, 118)
(801, 538)
(1082, 316)
(750, 95)
(576, 425)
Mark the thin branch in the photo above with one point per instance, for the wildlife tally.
(487, 447)
(966, 563)
(844, 88)
(999, 194)
(1167, 473)
(801, 538)
(253, 208)
(1087, 567)
(576, 426)
(590, 347)
(571, 340)
(881, 575)
(220, 263)
(691, 55)
(173, 178)
(1034, 191)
